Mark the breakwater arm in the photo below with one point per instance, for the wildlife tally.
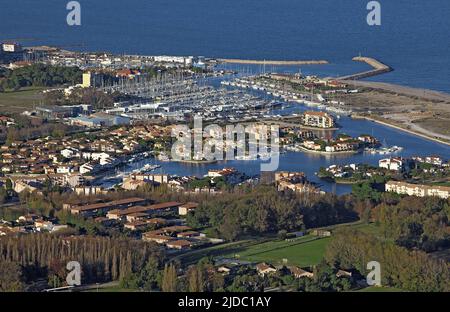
(378, 69)
(271, 62)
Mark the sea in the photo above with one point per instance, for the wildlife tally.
(413, 38)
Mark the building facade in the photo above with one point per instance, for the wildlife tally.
(419, 190)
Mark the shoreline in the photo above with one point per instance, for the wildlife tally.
(343, 182)
(328, 153)
(196, 162)
(318, 129)
(385, 123)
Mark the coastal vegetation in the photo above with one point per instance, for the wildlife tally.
(45, 256)
(263, 209)
(415, 223)
(98, 99)
(26, 128)
(404, 269)
(38, 75)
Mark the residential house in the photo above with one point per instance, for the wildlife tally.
(179, 244)
(184, 209)
(394, 164)
(265, 269)
(299, 273)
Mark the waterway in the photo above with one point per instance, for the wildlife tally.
(310, 163)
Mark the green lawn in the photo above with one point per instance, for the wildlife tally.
(442, 183)
(107, 287)
(19, 101)
(369, 229)
(380, 289)
(304, 252)
(112, 289)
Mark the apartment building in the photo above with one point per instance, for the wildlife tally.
(318, 119)
(419, 190)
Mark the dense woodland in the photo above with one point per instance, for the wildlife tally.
(415, 222)
(31, 128)
(262, 209)
(39, 75)
(45, 256)
(401, 268)
(92, 96)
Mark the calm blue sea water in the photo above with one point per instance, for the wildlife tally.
(414, 36)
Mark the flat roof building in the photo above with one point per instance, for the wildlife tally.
(419, 190)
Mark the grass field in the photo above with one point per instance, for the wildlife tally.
(19, 101)
(304, 252)
(112, 289)
(380, 289)
(369, 229)
(442, 184)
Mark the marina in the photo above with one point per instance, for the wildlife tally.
(246, 97)
(308, 162)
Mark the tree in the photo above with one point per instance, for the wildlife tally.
(3, 195)
(282, 234)
(150, 275)
(325, 277)
(404, 269)
(8, 184)
(102, 258)
(13, 135)
(195, 279)
(56, 273)
(10, 277)
(129, 281)
(169, 279)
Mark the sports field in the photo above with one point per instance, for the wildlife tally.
(304, 252)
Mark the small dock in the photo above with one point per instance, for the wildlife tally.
(378, 69)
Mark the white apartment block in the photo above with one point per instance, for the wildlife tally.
(318, 119)
(419, 190)
(394, 164)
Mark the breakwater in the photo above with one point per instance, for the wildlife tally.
(378, 69)
(271, 62)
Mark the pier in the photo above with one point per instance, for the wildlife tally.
(276, 63)
(378, 69)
